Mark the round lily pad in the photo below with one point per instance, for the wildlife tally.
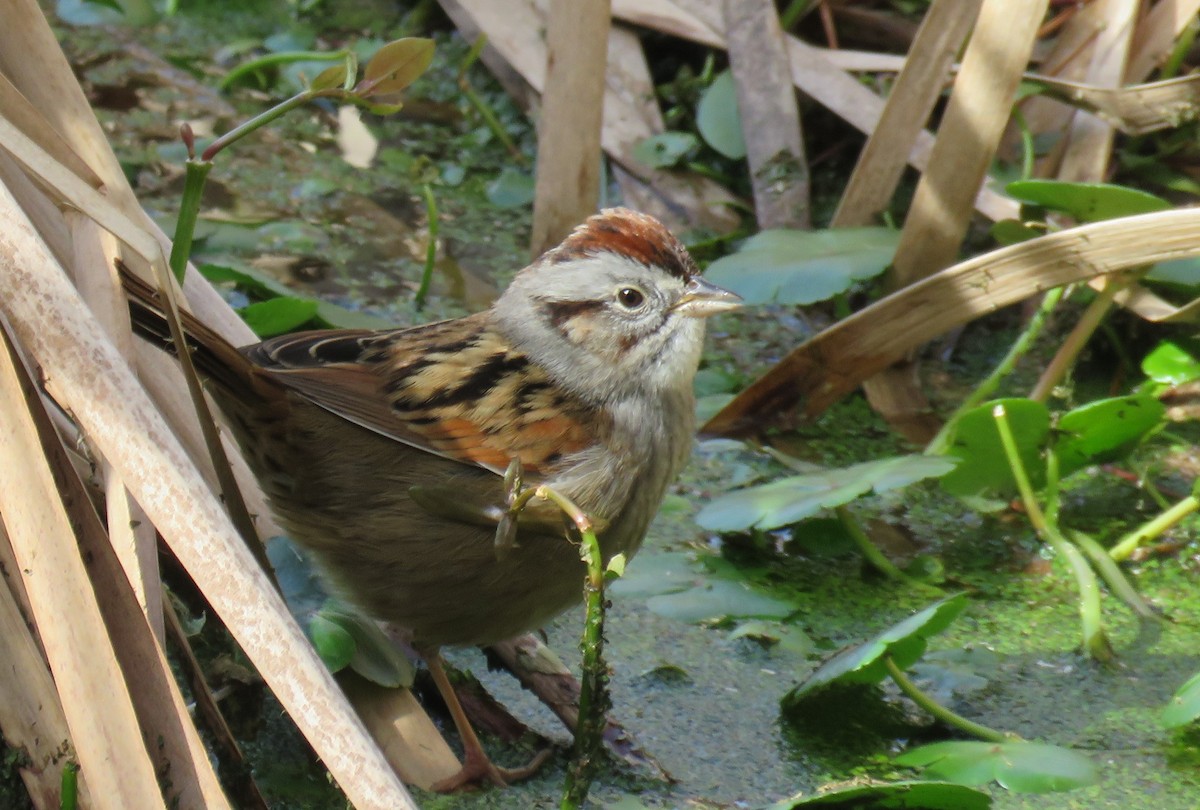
(912, 795)
(983, 468)
(1185, 704)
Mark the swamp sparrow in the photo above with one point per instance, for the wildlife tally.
(383, 452)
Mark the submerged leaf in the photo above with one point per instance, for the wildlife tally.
(718, 599)
(802, 267)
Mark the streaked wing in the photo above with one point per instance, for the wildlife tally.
(452, 388)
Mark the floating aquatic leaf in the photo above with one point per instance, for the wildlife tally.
(788, 500)
(1185, 704)
(903, 642)
(1022, 767)
(718, 599)
(801, 267)
(912, 795)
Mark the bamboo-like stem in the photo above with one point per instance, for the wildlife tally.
(939, 711)
(594, 701)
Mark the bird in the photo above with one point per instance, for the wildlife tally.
(384, 453)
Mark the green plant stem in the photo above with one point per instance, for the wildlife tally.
(431, 214)
(1028, 152)
(1183, 46)
(1087, 324)
(260, 120)
(69, 794)
(873, 555)
(271, 59)
(939, 711)
(1094, 639)
(485, 111)
(984, 390)
(1127, 544)
(189, 211)
(594, 701)
(794, 12)
(1113, 575)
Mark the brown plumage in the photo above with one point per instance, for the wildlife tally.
(382, 452)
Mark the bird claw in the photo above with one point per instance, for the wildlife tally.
(477, 770)
(506, 529)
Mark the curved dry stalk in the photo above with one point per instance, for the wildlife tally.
(820, 372)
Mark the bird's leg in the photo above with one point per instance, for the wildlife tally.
(477, 767)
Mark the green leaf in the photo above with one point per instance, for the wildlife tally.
(1106, 429)
(1086, 202)
(1012, 231)
(248, 281)
(904, 642)
(1185, 704)
(665, 149)
(1022, 767)
(718, 599)
(801, 267)
(330, 78)
(396, 65)
(299, 582)
(718, 120)
(656, 574)
(373, 654)
(1183, 272)
(984, 467)
(788, 500)
(787, 637)
(1170, 363)
(278, 316)
(332, 642)
(511, 188)
(911, 795)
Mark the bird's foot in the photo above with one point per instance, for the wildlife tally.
(478, 769)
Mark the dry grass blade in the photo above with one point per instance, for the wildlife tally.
(940, 213)
(50, 321)
(1090, 139)
(1135, 110)
(570, 121)
(831, 365)
(94, 695)
(1156, 34)
(770, 117)
(909, 104)
(630, 110)
(30, 714)
(813, 72)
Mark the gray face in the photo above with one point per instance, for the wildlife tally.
(603, 324)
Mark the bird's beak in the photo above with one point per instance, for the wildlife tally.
(701, 299)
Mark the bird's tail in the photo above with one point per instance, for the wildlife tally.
(215, 358)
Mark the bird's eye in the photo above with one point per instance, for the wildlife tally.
(630, 297)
